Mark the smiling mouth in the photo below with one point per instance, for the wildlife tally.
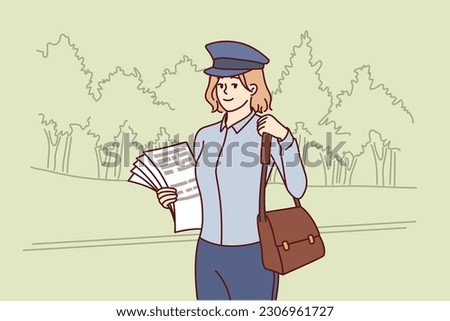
(228, 99)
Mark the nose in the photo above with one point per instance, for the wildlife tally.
(225, 89)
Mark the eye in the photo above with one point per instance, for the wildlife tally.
(220, 86)
(234, 86)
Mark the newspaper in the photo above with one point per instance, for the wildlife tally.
(172, 166)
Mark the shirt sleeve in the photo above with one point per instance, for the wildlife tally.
(285, 154)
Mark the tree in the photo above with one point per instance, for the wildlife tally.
(374, 118)
(124, 121)
(301, 97)
(118, 108)
(61, 99)
(383, 153)
(184, 87)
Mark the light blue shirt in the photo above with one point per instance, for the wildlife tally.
(228, 174)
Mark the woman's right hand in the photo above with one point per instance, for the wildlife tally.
(167, 196)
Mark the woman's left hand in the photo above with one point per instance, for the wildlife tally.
(269, 124)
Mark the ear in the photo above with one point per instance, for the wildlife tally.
(253, 88)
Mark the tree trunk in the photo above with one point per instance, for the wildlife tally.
(340, 173)
(351, 170)
(329, 168)
(66, 156)
(102, 171)
(109, 174)
(348, 168)
(119, 149)
(392, 179)
(122, 153)
(380, 161)
(52, 149)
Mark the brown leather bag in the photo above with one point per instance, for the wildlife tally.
(289, 237)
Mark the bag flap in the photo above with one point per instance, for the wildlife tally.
(291, 225)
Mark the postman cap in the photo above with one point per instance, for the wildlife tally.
(231, 58)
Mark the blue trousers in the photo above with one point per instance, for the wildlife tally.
(233, 273)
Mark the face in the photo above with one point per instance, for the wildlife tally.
(232, 94)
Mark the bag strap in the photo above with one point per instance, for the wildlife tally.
(265, 160)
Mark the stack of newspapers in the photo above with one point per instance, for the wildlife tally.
(172, 166)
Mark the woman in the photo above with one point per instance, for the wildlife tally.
(228, 263)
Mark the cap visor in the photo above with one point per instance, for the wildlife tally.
(224, 72)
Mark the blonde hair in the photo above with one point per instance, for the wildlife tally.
(260, 101)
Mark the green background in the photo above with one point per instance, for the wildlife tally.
(406, 45)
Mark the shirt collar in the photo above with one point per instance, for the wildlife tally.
(240, 124)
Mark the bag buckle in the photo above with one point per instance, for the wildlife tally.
(285, 245)
(311, 239)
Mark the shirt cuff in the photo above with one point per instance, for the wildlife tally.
(287, 141)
